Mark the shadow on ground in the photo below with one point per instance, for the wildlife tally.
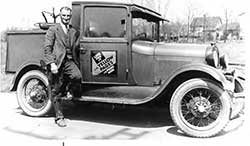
(120, 122)
(130, 122)
(133, 116)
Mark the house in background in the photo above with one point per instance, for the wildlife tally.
(231, 31)
(206, 28)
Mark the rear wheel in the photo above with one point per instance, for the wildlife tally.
(33, 94)
(200, 108)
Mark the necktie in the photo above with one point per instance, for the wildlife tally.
(67, 28)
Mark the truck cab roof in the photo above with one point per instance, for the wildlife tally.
(134, 7)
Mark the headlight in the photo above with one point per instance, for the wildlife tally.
(212, 56)
(224, 61)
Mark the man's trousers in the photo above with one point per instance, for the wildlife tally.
(69, 76)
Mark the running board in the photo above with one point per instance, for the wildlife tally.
(118, 94)
(110, 100)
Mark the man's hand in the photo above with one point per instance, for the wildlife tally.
(53, 68)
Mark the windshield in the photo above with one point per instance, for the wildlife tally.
(144, 29)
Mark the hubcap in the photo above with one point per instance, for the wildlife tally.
(35, 94)
(200, 107)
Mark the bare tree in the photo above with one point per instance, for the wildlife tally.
(190, 15)
(193, 9)
(226, 24)
(158, 5)
(228, 17)
(163, 6)
(146, 3)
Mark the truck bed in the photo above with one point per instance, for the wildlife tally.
(23, 47)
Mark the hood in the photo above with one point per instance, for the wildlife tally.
(181, 50)
(169, 49)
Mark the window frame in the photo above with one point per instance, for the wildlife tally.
(156, 29)
(103, 39)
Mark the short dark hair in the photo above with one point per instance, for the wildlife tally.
(66, 8)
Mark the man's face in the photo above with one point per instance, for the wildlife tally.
(65, 16)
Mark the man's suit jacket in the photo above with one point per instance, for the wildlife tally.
(56, 43)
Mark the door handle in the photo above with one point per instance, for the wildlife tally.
(83, 50)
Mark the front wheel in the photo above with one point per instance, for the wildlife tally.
(200, 108)
(33, 94)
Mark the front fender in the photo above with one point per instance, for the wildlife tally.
(211, 71)
(217, 74)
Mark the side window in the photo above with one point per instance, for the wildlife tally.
(105, 22)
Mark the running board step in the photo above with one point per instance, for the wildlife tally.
(118, 94)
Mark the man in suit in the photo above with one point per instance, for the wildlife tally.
(61, 42)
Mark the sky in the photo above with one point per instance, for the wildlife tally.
(24, 13)
(178, 8)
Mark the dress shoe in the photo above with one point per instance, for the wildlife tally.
(61, 122)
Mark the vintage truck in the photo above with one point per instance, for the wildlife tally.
(123, 62)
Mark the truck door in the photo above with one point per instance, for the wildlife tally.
(104, 44)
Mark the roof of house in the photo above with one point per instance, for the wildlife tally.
(210, 22)
(232, 26)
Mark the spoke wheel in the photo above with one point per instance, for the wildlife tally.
(33, 94)
(200, 108)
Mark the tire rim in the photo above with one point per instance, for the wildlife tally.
(35, 95)
(200, 108)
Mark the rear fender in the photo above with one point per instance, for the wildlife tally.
(25, 67)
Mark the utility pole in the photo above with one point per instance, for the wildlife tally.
(204, 28)
(188, 28)
(225, 37)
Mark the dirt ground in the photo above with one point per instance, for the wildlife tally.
(103, 122)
